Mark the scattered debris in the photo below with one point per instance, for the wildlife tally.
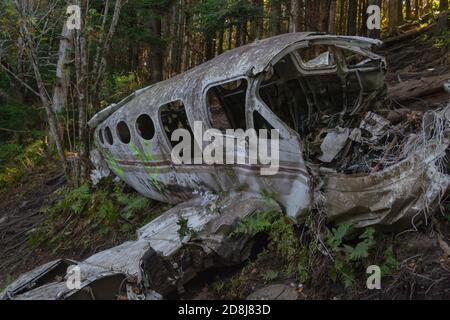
(159, 262)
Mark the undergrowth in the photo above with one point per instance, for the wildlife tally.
(88, 216)
(296, 254)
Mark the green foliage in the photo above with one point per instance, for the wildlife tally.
(283, 240)
(119, 85)
(270, 275)
(348, 258)
(390, 265)
(22, 119)
(336, 236)
(8, 280)
(184, 230)
(92, 212)
(260, 222)
(442, 41)
(216, 14)
(17, 161)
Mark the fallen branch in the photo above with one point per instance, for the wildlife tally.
(417, 88)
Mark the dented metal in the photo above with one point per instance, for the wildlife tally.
(213, 199)
(147, 166)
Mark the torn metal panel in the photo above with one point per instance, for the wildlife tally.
(163, 258)
(333, 143)
(401, 194)
(147, 165)
(40, 276)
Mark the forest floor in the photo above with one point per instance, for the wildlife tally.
(417, 65)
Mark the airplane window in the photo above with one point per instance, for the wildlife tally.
(145, 127)
(226, 104)
(100, 136)
(173, 117)
(123, 132)
(283, 93)
(108, 136)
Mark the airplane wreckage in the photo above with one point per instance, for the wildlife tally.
(339, 152)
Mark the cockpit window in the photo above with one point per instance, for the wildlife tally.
(226, 105)
(317, 57)
(357, 60)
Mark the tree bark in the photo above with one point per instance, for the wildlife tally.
(408, 9)
(324, 12)
(294, 23)
(275, 13)
(156, 50)
(400, 12)
(393, 17)
(352, 16)
(332, 18)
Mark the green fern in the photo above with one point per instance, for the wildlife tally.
(260, 222)
(336, 236)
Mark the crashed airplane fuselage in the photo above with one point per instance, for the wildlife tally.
(291, 83)
(277, 83)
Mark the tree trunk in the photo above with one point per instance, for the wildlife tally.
(294, 23)
(186, 39)
(393, 17)
(408, 9)
(332, 18)
(400, 12)
(156, 48)
(81, 57)
(220, 41)
(416, 9)
(352, 16)
(257, 23)
(275, 13)
(62, 71)
(31, 51)
(324, 11)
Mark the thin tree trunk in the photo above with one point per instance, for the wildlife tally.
(400, 12)
(393, 16)
(324, 11)
(105, 49)
(156, 50)
(294, 23)
(352, 16)
(186, 39)
(31, 50)
(81, 57)
(220, 41)
(275, 13)
(408, 9)
(332, 18)
(416, 9)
